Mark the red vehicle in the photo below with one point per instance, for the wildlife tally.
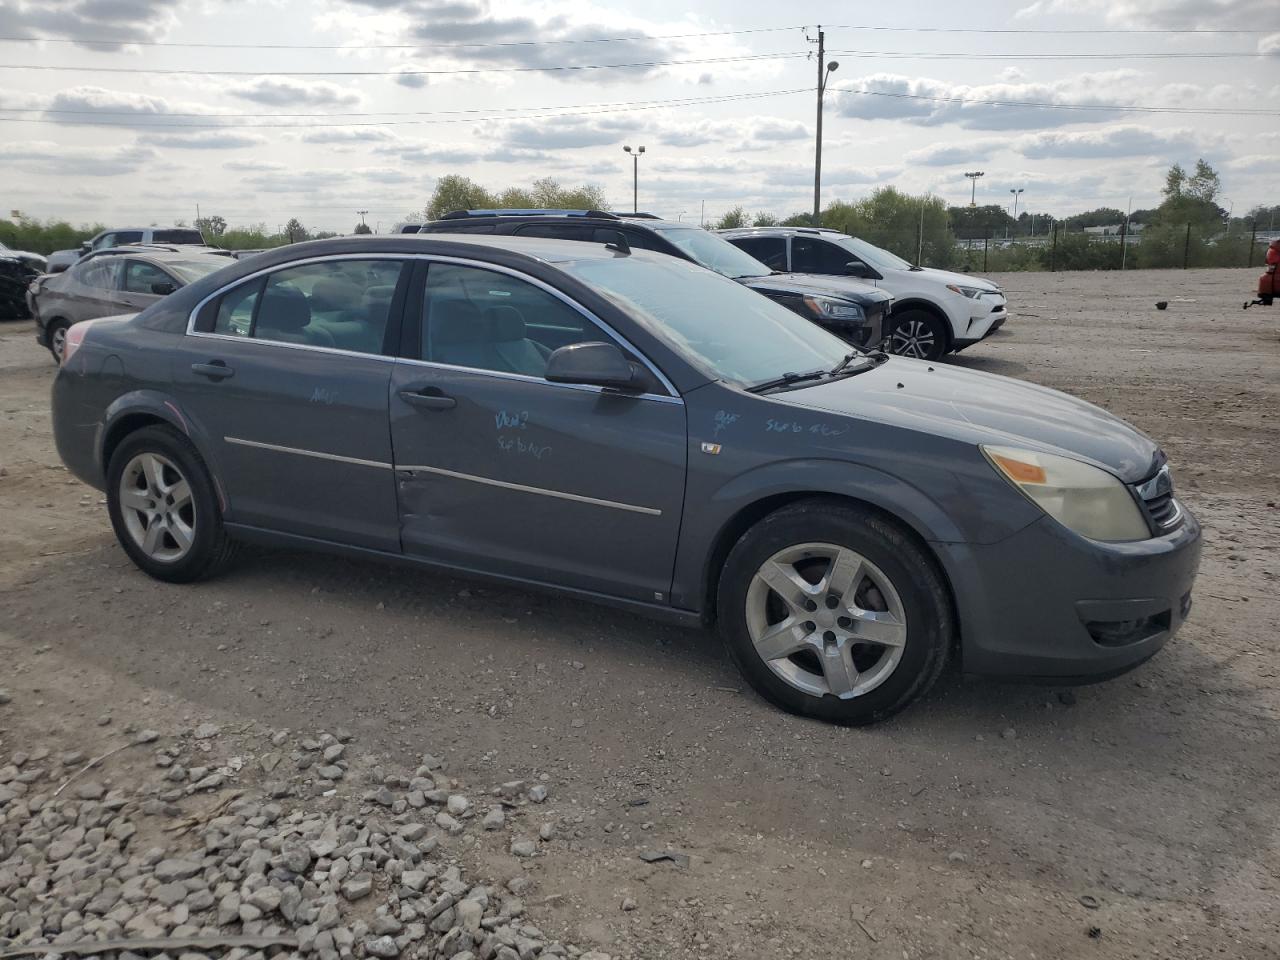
(1267, 282)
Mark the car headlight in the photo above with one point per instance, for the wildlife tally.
(833, 309)
(1081, 497)
(973, 293)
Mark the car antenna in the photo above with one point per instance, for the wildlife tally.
(620, 244)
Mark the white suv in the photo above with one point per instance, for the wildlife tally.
(935, 311)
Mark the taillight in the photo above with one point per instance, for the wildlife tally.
(75, 337)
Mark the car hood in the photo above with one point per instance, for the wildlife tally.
(807, 283)
(985, 408)
(960, 279)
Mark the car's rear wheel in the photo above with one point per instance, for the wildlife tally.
(918, 334)
(834, 612)
(163, 507)
(56, 335)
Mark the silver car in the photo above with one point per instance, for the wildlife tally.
(109, 282)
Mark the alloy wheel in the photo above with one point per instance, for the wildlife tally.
(913, 338)
(58, 341)
(156, 504)
(826, 620)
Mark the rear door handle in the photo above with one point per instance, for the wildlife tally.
(429, 398)
(214, 370)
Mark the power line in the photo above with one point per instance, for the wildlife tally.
(1085, 31)
(86, 41)
(399, 73)
(545, 113)
(1110, 108)
(902, 55)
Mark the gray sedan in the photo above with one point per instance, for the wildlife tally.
(630, 428)
(108, 282)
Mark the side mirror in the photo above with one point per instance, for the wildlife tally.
(85, 247)
(164, 287)
(596, 364)
(856, 268)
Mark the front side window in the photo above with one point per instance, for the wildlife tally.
(142, 277)
(100, 273)
(811, 255)
(726, 329)
(491, 321)
(339, 304)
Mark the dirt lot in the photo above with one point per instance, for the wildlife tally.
(971, 826)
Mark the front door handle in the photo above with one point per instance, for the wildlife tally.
(214, 370)
(429, 398)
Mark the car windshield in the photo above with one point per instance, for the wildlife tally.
(880, 259)
(731, 332)
(714, 252)
(196, 268)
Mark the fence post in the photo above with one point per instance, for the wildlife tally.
(1053, 251)
(1186, 248)
(984, 253)
(1253, 240)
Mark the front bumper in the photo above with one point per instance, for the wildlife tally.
(983, 322)
(1047, 604)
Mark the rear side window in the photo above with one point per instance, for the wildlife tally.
(771, 251)
(176, 236)
(142, 277)
(469, 228)
(554, 231)
(339, 304)
(127, 236)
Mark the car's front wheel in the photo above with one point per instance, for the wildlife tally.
(163, 507)
(834, 612)
(56, 337)
(918, 334)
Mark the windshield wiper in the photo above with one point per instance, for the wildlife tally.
(876, 357)
(786, 380)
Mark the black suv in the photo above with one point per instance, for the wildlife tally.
(852, 310)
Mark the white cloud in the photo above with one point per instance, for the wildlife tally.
(115, 21)
(1128, 140)
(43, 156)
(207, 140)
(287, 92)
(1164, 14)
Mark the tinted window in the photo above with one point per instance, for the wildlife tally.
(100, 272)
(771, 251)
(126, 236)
(810, 255)
(139, 277)
(491, 321)
(555, 231)
(470, 228)
(341, 304)
(637, 239)
(727, 329)
(713, 252)
(176, 236)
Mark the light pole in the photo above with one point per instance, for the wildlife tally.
(824, 74)
(362, 213)
(635, 177)
(973, 191)
(1016, 191)
(680, 217)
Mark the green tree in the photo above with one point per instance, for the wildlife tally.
(295, 231)
(798, 220)
(1204, 185)
(763, 219)
(456, 192)
(211, 227)
(362, 228)
(907, 225)
(737, 217)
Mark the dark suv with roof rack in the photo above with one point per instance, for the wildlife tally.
(852, 310)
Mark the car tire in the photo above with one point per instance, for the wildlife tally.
(55, 336)
(918, 334)
(163, 507)
(828, 549)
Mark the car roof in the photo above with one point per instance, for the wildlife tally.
(767, 231)
(162, 253)
(602, 217)
(541, 248)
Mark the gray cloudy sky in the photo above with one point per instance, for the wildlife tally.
(410, 90)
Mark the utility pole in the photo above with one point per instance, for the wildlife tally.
(973, 190)
(920, 238)
(824, 72)
(1124, 234)
(635, 177)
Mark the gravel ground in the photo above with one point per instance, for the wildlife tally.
(1136, 818)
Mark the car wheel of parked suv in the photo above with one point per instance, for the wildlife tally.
(163, 508)
(57, 337)
(918, 334)
(833, 612)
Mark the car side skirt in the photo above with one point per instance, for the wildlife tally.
(275, 538)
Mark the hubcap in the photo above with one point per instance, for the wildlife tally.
(156, 504)
(826, 620)
(59, 341)
(913, 338)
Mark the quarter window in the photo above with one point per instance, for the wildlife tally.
(491, 321)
